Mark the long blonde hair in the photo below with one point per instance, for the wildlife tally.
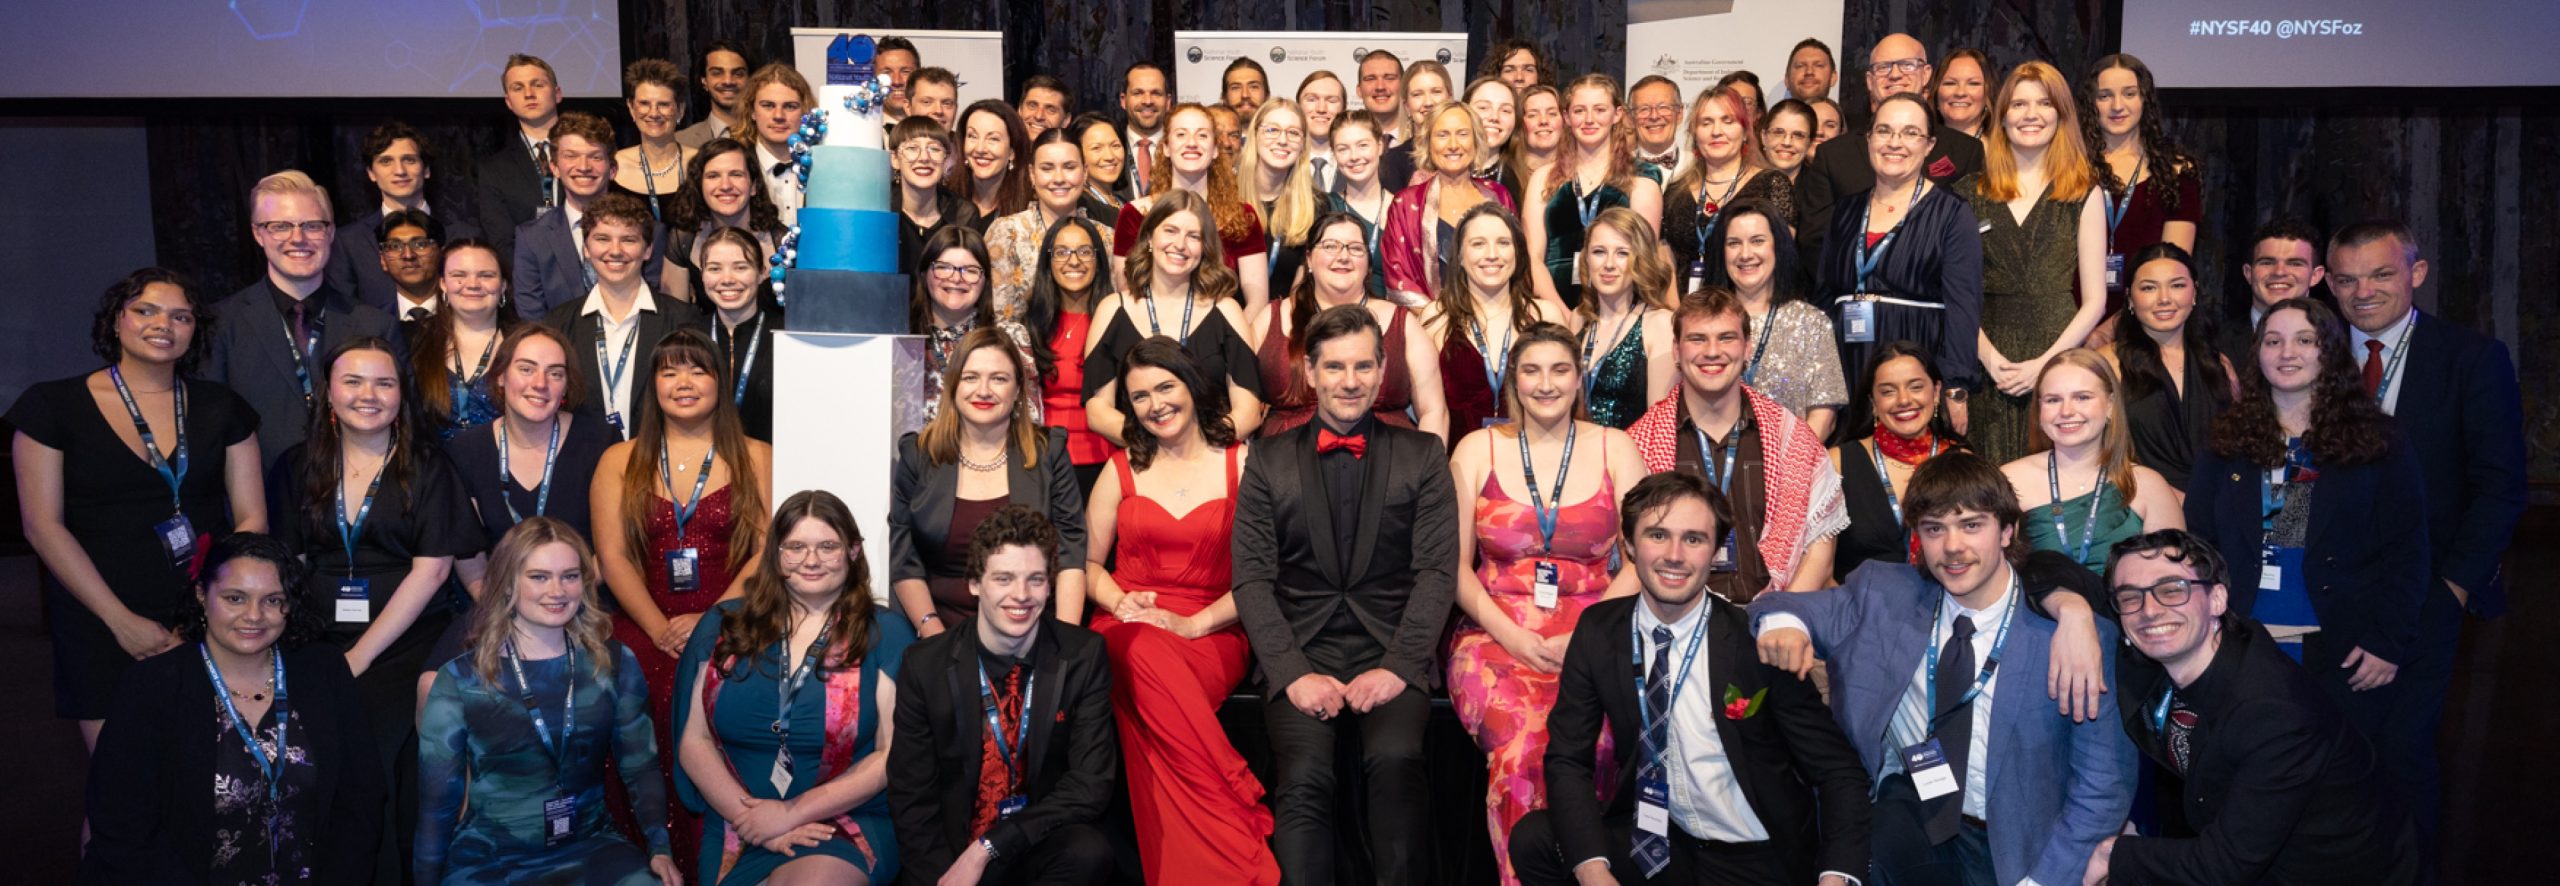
(1650, 277)
(1290, 214)
(493, 622)
(2115, 444)
(2066, 161)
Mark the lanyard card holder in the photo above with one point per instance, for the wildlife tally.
(1930, 774)
(684, 570)
(355, 600)
(2115, 273)
(177, 539)
(1545, 588)
(1858, 319)
(559, 819)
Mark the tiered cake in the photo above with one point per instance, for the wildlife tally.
(845, 275)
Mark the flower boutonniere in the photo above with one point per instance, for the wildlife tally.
(1740, 707)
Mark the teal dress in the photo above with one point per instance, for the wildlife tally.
(2067, 526)
(1616, 383)
(476, 740)
(742, 713)
(1565, 227)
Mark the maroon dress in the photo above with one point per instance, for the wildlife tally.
(708, 534)
(948, 578)
(2143, 222)
(1473, 403)
(1292, 403)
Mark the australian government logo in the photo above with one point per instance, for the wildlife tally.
(1665, 65)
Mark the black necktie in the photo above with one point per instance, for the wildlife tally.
(1954, 727)
(550, 181)
(417, 314)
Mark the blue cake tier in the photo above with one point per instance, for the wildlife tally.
(848, 240)
(846, 301)
(849, 178)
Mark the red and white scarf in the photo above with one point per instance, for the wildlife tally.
(1802, 503)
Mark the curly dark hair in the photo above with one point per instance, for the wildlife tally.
(1504, 50)
(302, 624)
(2176, 546)
(2347, 426)
(2169, 163)
(1012, 526)
(1208, 399)
(120, 295)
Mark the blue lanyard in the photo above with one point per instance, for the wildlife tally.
(1497, 364)
(272, 767)
(349, 532)
(175, 474)
(507, 478)
(2117, 207)
(1644, 718)
(1707, 217)
(1182, 335)
(1548, 513)
(2160, 712)
(1990, 666)
(791, 683)
(2088, 526)
(1013, 765)
(1589, 206)
(1722, 476)
(1871, 259)
(461, 383)
(612, 372)
(302, 349)
(1591, 370)
(755, 342)
(1759, 347)
(684, 514)
(559, 752)
(2400, 351)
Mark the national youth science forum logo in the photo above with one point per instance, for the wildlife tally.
(1192, 53)
(1279, 55)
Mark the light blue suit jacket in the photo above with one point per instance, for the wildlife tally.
(2056, 788)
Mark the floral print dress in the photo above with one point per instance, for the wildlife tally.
(256, 837)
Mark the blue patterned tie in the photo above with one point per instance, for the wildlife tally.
(1653, 851)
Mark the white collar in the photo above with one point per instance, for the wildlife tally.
(2392, 336)
(641, 303)
(406, 304)
(1646, 620)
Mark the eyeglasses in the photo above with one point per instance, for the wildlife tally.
(925, 151)
(2169, 592)
(1658, 109)
(1279, 134)
(800, 550)
(419, 246)
(1338, 249)
(963, 273)
(1889, 135)
(1898, 66)
(1066, 254)
(286, 228)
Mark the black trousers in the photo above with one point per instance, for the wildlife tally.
(1540, 861)
(1903, 855)
(1391, 764)
(1072, 855)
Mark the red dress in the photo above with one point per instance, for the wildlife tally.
(1199, 811)
(1062, 393)
(708, 534)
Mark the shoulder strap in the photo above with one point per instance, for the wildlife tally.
(1231, 471)
(1128, 480)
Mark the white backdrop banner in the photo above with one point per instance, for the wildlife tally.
(1697, 42)
(1200, 57)
(976, 57)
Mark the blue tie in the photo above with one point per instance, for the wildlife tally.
(1653, 851)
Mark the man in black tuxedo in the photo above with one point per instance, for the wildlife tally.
(960, 711)
(273, 333)
(515, 181)
(1345, 538)
(1839, 168)
(361, 265)
(2284, 262)
(1715, 790)
(2279, 788)
(2454, 393)
(613, 334)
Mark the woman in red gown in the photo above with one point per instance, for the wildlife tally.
(1176, 651)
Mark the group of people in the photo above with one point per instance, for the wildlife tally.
(473, 532)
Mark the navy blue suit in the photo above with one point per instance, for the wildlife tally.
(355, 260)
(551, 273)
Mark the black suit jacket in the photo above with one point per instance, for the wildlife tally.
(253, 353)
(150, 809)
(355, 259)
(2279, 787)
(509, 191)
(1288, 572)
(1799, 773)
(1839, 168)
(2464, 417)
(583, 331)
(1073, 753)
(921, 495)
(549, 273)
(2361, 563)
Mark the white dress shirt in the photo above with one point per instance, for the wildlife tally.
(1910, 724)
(1142, 174)
(1706, 799)
(783, 188)
(407, 304)
(2394, 339)
(617, 396)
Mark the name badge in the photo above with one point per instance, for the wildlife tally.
(177, 539)
(1006, 807)
(1930, 774)
(2115, 272)
(1986, 228)
(781, 776)
(1724, 556)
(684, 571)
(355, 601)
(615, 419)
(1544, 589)
(1858, 321)
(1653, 806)
(2270, 575)
(1577, 268)
(559, 819)
(1697, 276)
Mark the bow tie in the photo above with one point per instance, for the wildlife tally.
(1328, 441)
(780, 168)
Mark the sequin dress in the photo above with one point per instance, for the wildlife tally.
(1565, 227)
(2027, 275)
(708, 534)
(1798, 366)
(1617, 381)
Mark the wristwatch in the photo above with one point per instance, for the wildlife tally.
(989, 846)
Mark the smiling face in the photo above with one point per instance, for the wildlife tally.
(1355, 154)
(1176, 244)
(1542, 121)
(2030, 118)
(987, 146)
(534, 379)
(1497, 110)
(1042, 109)
(2375, 282)
(1716, 132)
(1142, 98)
(2289, 352)
(1712, 350)
(2117, 100)
(1453, 142)
(1191, 141)
(1520, 69)
(2072, 405)
(157, 326)
(1899, 141)
(472, 284)
(776, 110)
(584, 167)
(1013, 591)
(2163, 296)
(531, 95)
(1339, 259)
(686, 392)
(245, 607)
(1826, 123)
(1964, 550)
(1344, 372)
(1321, 99)
(1961, 93)
(1424, 91)
(1592, 116)
(655, 109)
(1750, 253)
(1904, 396)
(897, 65)
(1608, 262)
(987, 388)
(1488, 253)
(727, 184)
(1546, 382)
(1674, 545)
(364, 391)
(1244, 89)
(730, 274)
(410, 257)
(1161, 402)
(1898, 64)
(816, 560)
(1657, 115)
(1809, 73)
(936, 100)
(1230, 129)
(2281, 268)
(1105, 158)
(302, 252)
(954, 280)
(1281, 139)
(1381, 86)
(615, 247)
(1072, 259)
(1057, 177)
(2167, 633)
(724, 78)
(551, 589)
(399, 171)
(923, 162)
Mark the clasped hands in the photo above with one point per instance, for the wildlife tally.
(1321, 696)
(778, 826)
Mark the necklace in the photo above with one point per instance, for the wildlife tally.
(260, 695)
(1002, 457)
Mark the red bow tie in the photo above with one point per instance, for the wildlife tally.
(1328, 441)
